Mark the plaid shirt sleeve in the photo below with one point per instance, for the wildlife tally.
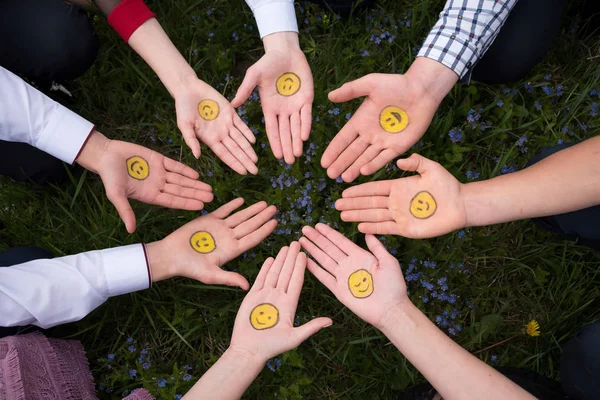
(464, 32)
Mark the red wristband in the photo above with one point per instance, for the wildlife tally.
(127, 16)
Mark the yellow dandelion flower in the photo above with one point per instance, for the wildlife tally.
(533, 328)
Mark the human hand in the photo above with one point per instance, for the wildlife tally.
(288, 116)
(369, 284)
(421, 206)
(264, 326)
(363, 146)
(203, 113)
(131, 171)
(201, 247)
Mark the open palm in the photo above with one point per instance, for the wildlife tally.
(384, 207)
(362, 146)
(338, 258)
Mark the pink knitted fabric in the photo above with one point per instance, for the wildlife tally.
(35, 367)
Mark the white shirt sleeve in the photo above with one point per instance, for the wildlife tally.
(274, 16)
(29, 116)
(50, 292)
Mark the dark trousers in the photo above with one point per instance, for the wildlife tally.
(48, 40)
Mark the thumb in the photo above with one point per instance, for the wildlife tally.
(415, 162)
(376, 247)
(246, 88)
(189, 136)
(230, 279)
(351, 90)
(305, 331)
(119, 200)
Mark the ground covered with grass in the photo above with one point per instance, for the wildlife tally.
(481, 285)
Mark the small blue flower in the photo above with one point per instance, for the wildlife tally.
(364, 53)
(234, 35)
(593, 92)
(278, 362)
(162, 382)
(131, 348)
(339, 179)
(499, 103)
(130, 340)
(111, 357)
(132, 373)
(548, 90)
(349, 115)
(146, 365)
(336, 111)
(594, 109)
(178, 396)
(559, 90)
(455, 135)
(187, 367)
(560, 141)
(528, 87)
(522, 140)
(547, 77)
(461, 234)
(211, 34)
(537, 105)
(507, 170)
(187, 377)
(208, 12)
(493, 358)
(144, 352)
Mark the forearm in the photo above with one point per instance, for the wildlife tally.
(434, 78)
(454, 372)
(565, 181)
(228, 378)
(152, 43)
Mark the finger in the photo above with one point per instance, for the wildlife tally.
(296, 134)
(378, 162)
(319, 255)
(189, 136)
(240, 155)
(324, 244)
(378, 188)
(379, 228)
(353, 89)
(245, 214)
(180, 203)
(272, 128)
(285, 135)
(188, 193)
(361, 203)
(241, 141)
(119, 200)
(225, 155)
(297, 278)
(273, 275)
(254, 223)
(184, 181)
(227, 278)
(341, 241)
(227, 208)
(338, 144)
(354, 170)
(374, 215)
(242, 127)
(306, 121)
(377, 248)
(249, 241)
(259, 282)
(288, 266)
(323, 276)
(305, 331)
(180, 168)
(246, 88)
(414, 163)
(347, 157)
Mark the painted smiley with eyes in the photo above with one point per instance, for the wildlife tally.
(264, 316)
(203, 242)
(288, 84)
(208, 109)
(137, 168)
(360, 283)
(423, 205)
(393, 119)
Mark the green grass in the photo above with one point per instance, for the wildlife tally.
(517, 271)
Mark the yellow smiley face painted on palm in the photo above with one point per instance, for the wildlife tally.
(393, 119)
(203, 242)
(137, 168)
(264, 316)
(208, 109)
(423, 205)
(360, 283)
(288, 84)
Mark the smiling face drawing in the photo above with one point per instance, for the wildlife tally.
(208, 109)
(203, 242)
(264, 316)
(360, 283)
(288, 84)
(137, 168)
(423, 205)
(393, 119)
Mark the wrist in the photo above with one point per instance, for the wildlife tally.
(160, 265)
(435, 78)
(478, 210)
(398, 315)
(244, 357)
(281, 41)
(93, 150)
